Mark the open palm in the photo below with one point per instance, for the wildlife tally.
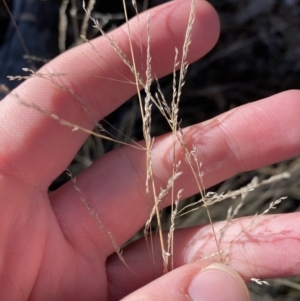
(51, 248)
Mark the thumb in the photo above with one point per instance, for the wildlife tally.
(217, 282)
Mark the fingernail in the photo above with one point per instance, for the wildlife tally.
(218, 282)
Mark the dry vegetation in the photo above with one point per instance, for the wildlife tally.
(158, 103)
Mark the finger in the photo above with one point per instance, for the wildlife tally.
(246, 138)
(192, 283)
(48, 146)
(269, 249)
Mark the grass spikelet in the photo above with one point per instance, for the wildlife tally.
(257, 217)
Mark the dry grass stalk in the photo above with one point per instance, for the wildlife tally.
(98, 221)
(86, 18)
(254, 221)
(62, 25)
(257, 217)
(71, 125)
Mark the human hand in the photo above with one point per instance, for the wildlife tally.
(51, 247)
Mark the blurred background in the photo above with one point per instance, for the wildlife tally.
(257, 56)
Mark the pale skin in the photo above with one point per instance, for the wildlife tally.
(51, 248)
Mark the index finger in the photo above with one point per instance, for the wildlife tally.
(37, 148)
